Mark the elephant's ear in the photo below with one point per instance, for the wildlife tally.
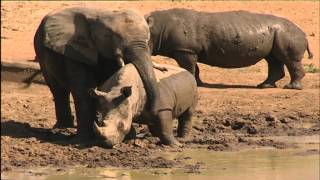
(68, 33)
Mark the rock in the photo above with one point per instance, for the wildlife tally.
(252, 129)
(140, 143)
(284, 120)
(271, 118)
(227, 123)
(198, 128)
(237, 124)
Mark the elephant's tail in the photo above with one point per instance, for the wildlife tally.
(28, 81)
(309, 52)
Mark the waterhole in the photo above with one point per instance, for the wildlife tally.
(201, 164)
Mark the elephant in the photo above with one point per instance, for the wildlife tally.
(121, 101)
(232, 39)
(79, 48)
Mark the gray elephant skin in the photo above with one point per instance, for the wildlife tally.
(230, 40)
(79, 48)
(121, 101)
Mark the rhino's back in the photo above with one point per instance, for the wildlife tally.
(178, 89)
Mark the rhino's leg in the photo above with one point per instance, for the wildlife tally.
(275, 73)
(289, 49)
(296, 71)
(164, 124)
(185, 123)
(188, 61)
(61, 101)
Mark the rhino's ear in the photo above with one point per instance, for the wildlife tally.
(95, 93)
(68, 33)
(126, 91)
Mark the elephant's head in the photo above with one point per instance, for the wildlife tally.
(81, 34)
(114, 114)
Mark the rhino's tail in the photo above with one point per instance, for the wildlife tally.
(309, 52)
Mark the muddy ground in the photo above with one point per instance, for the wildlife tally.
(231, 114)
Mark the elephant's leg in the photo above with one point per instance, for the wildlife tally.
(61, 97)
(164, 123)
(62, 106)
(80, 79)
(275, 73)
(185, 123)
(296, 71)
(188, 61)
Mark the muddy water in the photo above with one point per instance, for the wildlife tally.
(260, 164)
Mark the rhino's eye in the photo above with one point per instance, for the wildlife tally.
(121, 126)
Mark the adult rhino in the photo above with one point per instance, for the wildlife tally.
(121, 101)
(230, 40)
(79, 48)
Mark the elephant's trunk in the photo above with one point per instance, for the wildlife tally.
(138, 54)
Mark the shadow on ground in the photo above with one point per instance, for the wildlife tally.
(15, 129)
(227, 86)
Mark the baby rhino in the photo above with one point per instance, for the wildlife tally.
(122, 100)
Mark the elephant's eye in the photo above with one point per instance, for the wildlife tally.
(107, 36)
(108, 33)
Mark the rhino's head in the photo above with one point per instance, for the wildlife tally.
(114, 114)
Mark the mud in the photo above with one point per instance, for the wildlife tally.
(262, 164)
(231, 115)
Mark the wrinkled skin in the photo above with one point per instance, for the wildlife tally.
(79, 48)
(229, 40)
(121, 101)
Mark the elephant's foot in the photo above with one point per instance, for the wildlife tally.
(64, 124)
(176, 144)
(267, 85)
(294, 85)
(83, 140)
(184, 139)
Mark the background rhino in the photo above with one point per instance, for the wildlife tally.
(232, 39)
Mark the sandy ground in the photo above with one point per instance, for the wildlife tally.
(231, 115)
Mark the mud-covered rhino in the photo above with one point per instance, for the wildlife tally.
(230, 40)
(121, 101)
